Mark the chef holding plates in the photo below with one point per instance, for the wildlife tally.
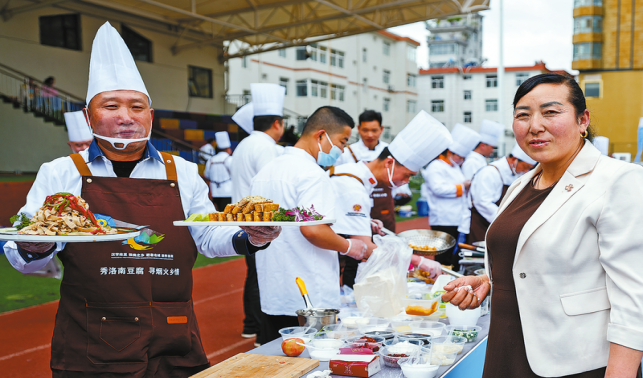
(123, 312)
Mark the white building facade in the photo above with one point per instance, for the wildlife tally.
(469, 95)
(375, 71)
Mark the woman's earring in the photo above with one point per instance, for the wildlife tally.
(585, 134)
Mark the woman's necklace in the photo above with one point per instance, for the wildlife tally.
(536, 179)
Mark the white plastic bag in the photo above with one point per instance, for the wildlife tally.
(380, 283)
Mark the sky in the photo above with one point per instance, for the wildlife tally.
(533, 31)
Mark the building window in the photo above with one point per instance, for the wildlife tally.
(139, 46)
(466, 77)
(364, 55)
(521, 77)
(588, 24)
(592, 89)
(336, 58)
(284, 83)
(586, 3)
(200, 82)
(323, 89)
(411, 53)
(301, 53)
(467, 117)
(492, 81)
(337, 92)
(312, 51)
(467, 95)
(443, 49)
(588, 51)
(386, 48)
(244, 62)
(411, 80)
(60, 31)
(314, 88)
(410, 106)
(437, 106)
(282, 53)
(302, 88)
(386, 76)
(365, 84)
(387, 104)
(491, 105)
(322, 54)
(437, 81)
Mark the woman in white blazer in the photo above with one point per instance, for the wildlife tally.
(565, 253)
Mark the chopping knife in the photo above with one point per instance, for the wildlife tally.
(473, 248)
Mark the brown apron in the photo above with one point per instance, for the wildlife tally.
(479, 224)
(125, 310)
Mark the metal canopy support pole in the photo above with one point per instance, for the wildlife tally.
(501, 77)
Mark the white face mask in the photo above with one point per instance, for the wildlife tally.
(124, 142)
(454, 163)
(390, 176)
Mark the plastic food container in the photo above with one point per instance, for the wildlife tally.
(426, 339)
(462, 317)
(423, 369)
(430, 328)
(373, 343)
(391, 355)
(329, 339)
(448, 344)
(374, 324)
(388, 333)
(321, 354)
(304, 333)
(470, 333)
(440, 358)
(339, 331)
(404, 324)
(354, 321)
(414, 304)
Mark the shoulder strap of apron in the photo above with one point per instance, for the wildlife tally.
(501, 180)
(170, 167)
(80, 164)
(333, 174)
(353, 154)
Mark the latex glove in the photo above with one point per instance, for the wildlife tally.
(261, 235)
(467, 292)
(356, 249)
(434, 268)
(36, 247)
(377, 226)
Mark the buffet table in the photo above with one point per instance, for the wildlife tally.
(468, 364)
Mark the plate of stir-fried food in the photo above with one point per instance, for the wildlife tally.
(64, 217)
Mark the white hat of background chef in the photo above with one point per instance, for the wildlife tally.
(464, 140)
(77, 127)
(268, 99)
(421, 141)
(111, 66)
(223, 139)
(243, 117)
(490, 132)
(602, 144)
(517, 152)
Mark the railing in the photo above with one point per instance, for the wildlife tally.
(34, 96)
(238, 100)
(164, 142)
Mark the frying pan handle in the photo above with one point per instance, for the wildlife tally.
(302, 286)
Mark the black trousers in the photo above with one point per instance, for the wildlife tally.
(271, 324)
(349, 270)
(448, 257)
(251, 302)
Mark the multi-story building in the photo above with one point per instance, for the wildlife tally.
(455, 41)
(608, 35)
(375, 70)
(467, 96)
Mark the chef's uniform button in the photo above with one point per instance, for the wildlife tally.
(523, 275)
(173, 185)
(169, 161)
(136, 319)
(104, 318)
(89, 180)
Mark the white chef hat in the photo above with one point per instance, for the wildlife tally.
(464, 140)
(421, 141)
(77, 127)
(490, 132)
(602, 144)
(243, 117)
(223, 139)
(268, 99)
(112, 66)
(521, 155)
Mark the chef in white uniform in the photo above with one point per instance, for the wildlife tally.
(447, 187)
(419, 142)
(206, 151)
(297, 179)
(488, 187)
(218, 169)
(490, 133)
(602, 144)
(80, 135)
(369, 146)
(244, 118)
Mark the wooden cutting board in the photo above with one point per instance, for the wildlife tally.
(245, 365)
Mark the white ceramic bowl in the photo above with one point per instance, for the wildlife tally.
(421, 370)
(462, 317)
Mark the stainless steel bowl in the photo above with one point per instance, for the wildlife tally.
(317, 317)
(435, 239)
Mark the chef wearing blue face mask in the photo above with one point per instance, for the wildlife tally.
(297, 179)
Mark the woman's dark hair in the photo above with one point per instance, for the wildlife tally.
(49, 81)
(369, 116)
(576, 96)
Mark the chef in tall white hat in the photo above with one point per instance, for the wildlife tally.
(490, 133)
(488, 187)
(218, 169)
(423, 139)
(80, 135)
(602, 144)
(145, 300)
(447, 187)
(252, 154)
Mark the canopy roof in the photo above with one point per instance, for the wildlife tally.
(261, 25)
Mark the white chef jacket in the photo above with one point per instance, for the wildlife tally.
(472, 164)
(61, 175)
(361, 152)
(252, 154)
(354, 204)
(217, 170)
(208, 149)
(404, 189)
(445, 193)
(291, 180)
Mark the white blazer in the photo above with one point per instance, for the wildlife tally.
(578, 267)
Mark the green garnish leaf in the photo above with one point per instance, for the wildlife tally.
(22, 218)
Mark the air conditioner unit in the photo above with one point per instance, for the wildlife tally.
(391, 89)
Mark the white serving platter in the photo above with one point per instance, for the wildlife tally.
(250, 223)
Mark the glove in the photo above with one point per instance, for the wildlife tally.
(434, 268)
(261, 235)
(356, 249)
(376, 226)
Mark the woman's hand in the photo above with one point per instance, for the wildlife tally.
(467, 292)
